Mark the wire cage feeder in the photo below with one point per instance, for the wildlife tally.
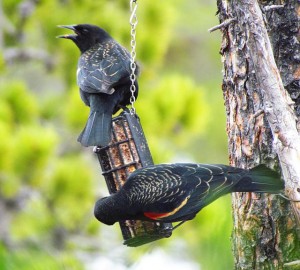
(128, 151)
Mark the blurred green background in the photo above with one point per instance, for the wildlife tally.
(49, 183)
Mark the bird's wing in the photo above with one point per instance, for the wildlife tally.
(162, 190)
(214, 182)
(101, 69)
(178, 192)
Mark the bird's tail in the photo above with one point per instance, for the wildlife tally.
(97, 131)
(260, 179)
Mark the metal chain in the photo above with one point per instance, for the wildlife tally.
(133, 22)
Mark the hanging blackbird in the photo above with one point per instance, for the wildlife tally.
(103, 76)
(177, 192)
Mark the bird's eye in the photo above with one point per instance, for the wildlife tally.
(85, 30)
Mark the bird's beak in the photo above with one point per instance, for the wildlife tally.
(71, 27)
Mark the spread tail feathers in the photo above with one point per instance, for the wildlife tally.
(260, 179)
(97, 131)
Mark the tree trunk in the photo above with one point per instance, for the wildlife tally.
(261, 126)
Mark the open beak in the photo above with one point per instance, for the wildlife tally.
(71, 27)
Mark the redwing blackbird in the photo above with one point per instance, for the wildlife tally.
(177, 192)
(103, 76)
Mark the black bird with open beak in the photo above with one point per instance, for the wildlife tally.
(103, 76)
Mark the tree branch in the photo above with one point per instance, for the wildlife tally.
(281, 117)
(222, 25)
(273, 7)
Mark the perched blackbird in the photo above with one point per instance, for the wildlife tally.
(103, 76)
(177, 192)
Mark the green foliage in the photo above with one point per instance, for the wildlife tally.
(174, 105)
(41, 115)
(30, 147)
(211, 225)
(69, 181)
(2, 63)
(22, 106)
(154, 38)
(6, 146)
(34, 146)
(33, 229)
(50, 109)
(36, 259)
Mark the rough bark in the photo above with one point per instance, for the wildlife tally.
(261, 127)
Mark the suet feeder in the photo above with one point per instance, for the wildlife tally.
(128, 151)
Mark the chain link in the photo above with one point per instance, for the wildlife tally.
(133, 22)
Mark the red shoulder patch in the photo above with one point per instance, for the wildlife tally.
(155, 216)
